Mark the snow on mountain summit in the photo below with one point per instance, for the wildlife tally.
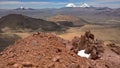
(71, 5)
(84, 5)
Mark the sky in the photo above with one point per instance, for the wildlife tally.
(37, 4)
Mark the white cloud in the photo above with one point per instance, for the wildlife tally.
(107, 0)
(17, 2)
(103, 1)
(10, 2)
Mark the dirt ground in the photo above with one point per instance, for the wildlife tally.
(105, 33)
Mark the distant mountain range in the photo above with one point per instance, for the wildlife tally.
(23, 8)
(91, 14)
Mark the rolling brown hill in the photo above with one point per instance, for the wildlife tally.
(20, 22)
(67, 18)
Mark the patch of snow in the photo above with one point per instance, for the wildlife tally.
(84, 5)
(83, 54)
(71, 5)
(21, 7)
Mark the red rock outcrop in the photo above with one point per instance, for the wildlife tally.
(46, 50)
(41, 51)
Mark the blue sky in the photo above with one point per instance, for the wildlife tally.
(11, 4)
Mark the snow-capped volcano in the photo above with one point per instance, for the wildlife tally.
(23, 8)
(84, 5)
(71, 5)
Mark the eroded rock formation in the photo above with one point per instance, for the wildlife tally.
(46, 50)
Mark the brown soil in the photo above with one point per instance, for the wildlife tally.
(46, 50)
(67, 18)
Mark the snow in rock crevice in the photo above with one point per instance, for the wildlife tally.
(83, 54)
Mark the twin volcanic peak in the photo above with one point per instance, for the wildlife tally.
(20, 22)
(83, 5)
(24, 8)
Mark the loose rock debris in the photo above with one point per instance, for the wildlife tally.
(46, 50)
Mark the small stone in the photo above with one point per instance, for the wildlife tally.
(56, 59)
(27, 64)
(38, 57)
(51, 65)
(73, 65)
(16, 65)
(69, 47)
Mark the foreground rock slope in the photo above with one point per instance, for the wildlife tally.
(46, 50)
